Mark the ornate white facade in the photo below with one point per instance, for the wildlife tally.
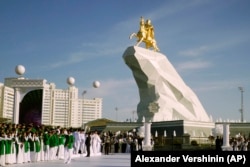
(163, 94)
(6, 101)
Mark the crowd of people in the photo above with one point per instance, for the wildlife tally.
(21, 143)
(237, 143)
(240, 143)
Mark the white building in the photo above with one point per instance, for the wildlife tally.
(34, 100)
(6, 101)
(91, 109)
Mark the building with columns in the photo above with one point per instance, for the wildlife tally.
(25, 100)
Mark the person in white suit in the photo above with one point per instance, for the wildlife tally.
(96, 143)
(77, 141)
(82, 141)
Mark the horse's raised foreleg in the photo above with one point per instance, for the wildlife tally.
(132, 35)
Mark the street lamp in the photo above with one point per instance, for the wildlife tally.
(83, 93)
(241, 110)
(116, 109)
(65, 107)
(133, 118)
(95, 84)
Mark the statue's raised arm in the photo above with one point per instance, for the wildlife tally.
(146, 35)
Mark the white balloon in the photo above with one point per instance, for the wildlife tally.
(20, 69)
(96, 84)
(71, 80)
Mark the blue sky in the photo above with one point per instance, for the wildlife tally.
(207, 41)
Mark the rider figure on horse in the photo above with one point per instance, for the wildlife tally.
(146, 34)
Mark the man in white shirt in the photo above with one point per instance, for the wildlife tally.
(96, 143)
(77, 141)
(82, 141)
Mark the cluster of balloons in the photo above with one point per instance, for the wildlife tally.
(20, 70)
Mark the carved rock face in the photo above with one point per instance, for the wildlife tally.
(163, 94)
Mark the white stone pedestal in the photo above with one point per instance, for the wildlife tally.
(158, 82)
(147, 146)
(226, 146)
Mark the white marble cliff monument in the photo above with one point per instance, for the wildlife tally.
(163, 94)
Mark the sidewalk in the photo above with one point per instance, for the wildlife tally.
(112, 160)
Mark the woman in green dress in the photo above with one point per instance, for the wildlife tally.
(19, 149)
(2, 148)
(46, 139)
(25, 140)
(61, 145)
(32, 146)
(68, 147)
(8, 148)
(37, 147)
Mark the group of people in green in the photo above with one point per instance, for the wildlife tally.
(29, 143)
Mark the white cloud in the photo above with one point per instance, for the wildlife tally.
(80, 56)
(195, 52)
(198, 52)
(73, 58)
(218, 85)
(173, 7)
(193, 65)
(204, 49)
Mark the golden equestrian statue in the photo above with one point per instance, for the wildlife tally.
(146, 35)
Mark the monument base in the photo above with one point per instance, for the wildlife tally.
(147, 148)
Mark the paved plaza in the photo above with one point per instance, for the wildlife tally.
(112, 160)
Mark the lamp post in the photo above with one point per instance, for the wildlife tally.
(95, 84)
(133, 116)
(83, 93)
(65, 100)
(241, 110)
(116, 109)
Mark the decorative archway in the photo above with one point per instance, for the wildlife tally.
(31, 108)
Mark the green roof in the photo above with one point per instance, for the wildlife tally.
(98, 122)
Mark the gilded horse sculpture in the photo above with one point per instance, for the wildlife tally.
(146, 35)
